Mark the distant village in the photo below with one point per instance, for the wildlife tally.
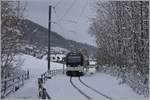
(57, 53)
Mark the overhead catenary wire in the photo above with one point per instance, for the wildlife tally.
(64, 29)
(82, 11)
(80, 15)
(57, 3)
(61, 27)
(54, 6)
(54, 11)
(66, 12)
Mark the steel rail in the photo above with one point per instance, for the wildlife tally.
(81, 92)
(94, 89)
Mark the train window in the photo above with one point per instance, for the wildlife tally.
(74, 59)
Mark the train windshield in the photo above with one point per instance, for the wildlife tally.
(74, 59)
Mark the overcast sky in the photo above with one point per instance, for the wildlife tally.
(72, 17)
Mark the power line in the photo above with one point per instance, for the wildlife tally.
(57, 3)
(65, 30)
(54, 11)
(61, 27)
(70, 7)
(73, 2)
(54, 6)
(82, 11)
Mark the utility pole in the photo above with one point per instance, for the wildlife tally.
(49, 32)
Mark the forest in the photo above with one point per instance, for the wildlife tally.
(121, 29)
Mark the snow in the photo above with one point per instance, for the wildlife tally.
(29, 47)
(59, 49)
(109, 86)
(35, 30)
(92, 62)
(59, 87)
(91, 71)
(36, 67)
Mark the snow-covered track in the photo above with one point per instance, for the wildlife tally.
(94, 89)
(80, 91)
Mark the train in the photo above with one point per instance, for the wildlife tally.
(75, 63)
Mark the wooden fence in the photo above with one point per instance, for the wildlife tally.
(13, 84)
(42, 91)
(47, 75)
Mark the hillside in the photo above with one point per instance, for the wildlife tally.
(37, 35)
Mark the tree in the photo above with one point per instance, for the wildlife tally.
(11, 34)
(121, 30)
(122, 35)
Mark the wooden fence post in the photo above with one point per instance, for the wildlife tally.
(22, 80)
(5, 84)
(28, 74)
(43, 93)
(25, 76)
(43, 78)
(63, 68)
(13, 84)
(39, 87)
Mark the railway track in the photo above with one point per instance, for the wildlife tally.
(91, 88)
(94, 89)
(79, 90)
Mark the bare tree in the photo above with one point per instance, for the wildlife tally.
(121, 29)
(11, 34)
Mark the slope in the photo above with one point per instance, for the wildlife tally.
(37, 35)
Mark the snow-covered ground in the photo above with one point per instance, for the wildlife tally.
(59, 50)
(36, 67)
(59, 87)
(92, 62)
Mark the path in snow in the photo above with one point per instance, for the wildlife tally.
(28, 91)
(36, 68)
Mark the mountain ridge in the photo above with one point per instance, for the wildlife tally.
(36, 34)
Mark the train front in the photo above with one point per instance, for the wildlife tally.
(74, 63)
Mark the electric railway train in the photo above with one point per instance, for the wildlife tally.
(75, 64)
